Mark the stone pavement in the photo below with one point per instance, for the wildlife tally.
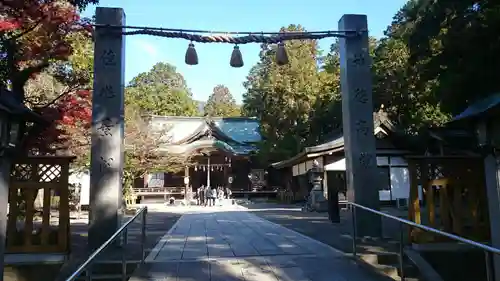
(227, 243)
(337, 235)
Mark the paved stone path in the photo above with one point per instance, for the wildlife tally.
(222, 245)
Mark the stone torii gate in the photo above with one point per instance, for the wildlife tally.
(108, 124)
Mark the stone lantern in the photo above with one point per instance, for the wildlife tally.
(317, 198)
(13, 118)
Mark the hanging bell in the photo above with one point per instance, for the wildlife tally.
(191, 55)
(281, 54)
(236, 58)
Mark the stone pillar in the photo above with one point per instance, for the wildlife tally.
(5, 168)
(492, 178)
(357, 114)
(107, 127)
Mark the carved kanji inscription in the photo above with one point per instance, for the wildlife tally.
(362, 127)
(107, 92)
(358, 59)
(105, 127)
(105, 163)
(360, 95)
(365, 159)
(108, 58)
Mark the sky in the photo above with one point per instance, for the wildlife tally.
(142, 52)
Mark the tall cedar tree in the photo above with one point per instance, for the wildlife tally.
(221, 103)
(283, 97)
(161, 91)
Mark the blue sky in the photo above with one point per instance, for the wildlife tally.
(142, 52)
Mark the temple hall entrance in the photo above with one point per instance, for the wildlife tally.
(210, 167)
(199, 176)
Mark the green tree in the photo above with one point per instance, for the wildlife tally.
(283, 97)
(398, 83)
(159, 99)
(327, 113)
(161, 91)
(456, 46)
(221, 103)
(437, 57)
(161, 73)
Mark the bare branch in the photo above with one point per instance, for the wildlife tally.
(28, 30)
(143, 145)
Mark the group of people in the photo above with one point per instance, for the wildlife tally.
(207, 196)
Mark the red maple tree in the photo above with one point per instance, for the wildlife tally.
(34, 35)
(70, 129)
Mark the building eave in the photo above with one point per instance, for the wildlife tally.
(335, 144)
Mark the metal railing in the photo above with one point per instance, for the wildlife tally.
(488, 250)
(123, 233)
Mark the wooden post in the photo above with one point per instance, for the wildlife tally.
(431, 205)
(64, 216)
(225, 176)
(413, 204)
(186, 183)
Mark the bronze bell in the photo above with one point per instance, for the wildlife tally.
(236, 58)
(191, 57)
(281, 54)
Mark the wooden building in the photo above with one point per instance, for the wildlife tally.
(391, 149)
(216, 152)
(453, 176)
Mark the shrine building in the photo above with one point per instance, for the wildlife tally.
(216, 151)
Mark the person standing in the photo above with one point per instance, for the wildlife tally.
(220, 195)
(213, 196)
(198, 196)
(208, 194)
(202, 195)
